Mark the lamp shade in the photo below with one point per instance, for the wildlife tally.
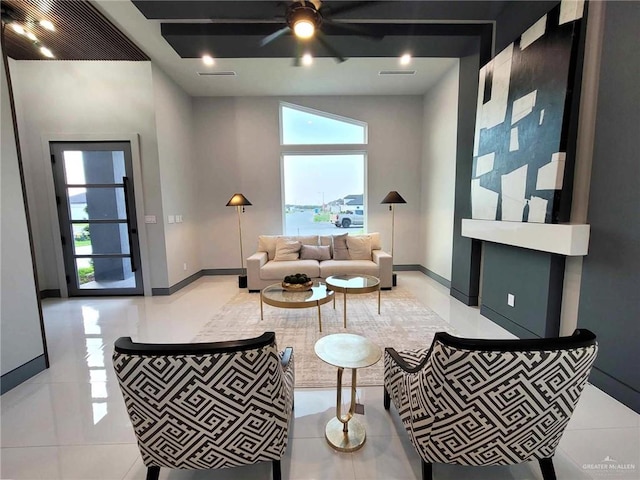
(237, 200)
(393, 197)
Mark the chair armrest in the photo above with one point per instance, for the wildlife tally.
(254, 263)
(285, 357)
(403, 364)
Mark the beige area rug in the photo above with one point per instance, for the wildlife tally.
(403, 323)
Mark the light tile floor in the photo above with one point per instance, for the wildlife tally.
(69, 421)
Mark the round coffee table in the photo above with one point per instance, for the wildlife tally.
(345, 350)
(276, 296)
(353, 284)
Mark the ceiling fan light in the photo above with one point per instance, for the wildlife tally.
(304, 28)
(31, 36)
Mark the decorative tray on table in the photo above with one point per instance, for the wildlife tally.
(297, 283)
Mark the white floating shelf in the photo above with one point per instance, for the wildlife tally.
(561, 238)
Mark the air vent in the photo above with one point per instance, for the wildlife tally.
(217, 74)
(397, 72)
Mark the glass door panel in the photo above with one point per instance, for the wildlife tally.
(97, 217)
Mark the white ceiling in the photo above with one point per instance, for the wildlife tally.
(268, 76)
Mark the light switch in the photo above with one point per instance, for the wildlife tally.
(511, 299)
(171, 219)
(150, 219)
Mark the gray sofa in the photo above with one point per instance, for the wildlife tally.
(265, 267)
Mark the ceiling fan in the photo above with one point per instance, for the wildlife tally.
(305, 20)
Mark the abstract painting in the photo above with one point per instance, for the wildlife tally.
(521, 171)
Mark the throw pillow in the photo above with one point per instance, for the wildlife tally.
(359, 247)
(286, 250)
(308, 252)
(340, 248)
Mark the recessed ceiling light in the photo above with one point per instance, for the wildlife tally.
(31, 36)
(307, 59)
(405, 59)
(208, 60)
(17, 28)
(46, 52)
(48, 25)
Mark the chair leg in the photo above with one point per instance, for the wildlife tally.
(387, 399)
(548, 472)
(277, 474)
(153, 473)
(427, 470)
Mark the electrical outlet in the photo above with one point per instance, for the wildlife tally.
(511, 299)
(184, 266)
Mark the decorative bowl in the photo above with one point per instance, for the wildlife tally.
(297, 287)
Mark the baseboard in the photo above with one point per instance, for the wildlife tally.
(618, 390)
(506, 323)
(464, 298)
(441, 280)
(22, 373)
(50, 293)
(178, 286)
(222, 271)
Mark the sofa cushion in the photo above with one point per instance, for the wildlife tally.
(340, 248)
(327, 241)
(359, 247)
(286, 250)
(375, 239)
(312, 252)
(307, 239)
(276, 271)
(352, 267)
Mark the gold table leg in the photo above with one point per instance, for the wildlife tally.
(343, 432)
(261, 312)
(345, 309)
(319, 317)
(378, 301)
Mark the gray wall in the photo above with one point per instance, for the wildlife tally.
(85, 98)
(535, 281)
(237, 149)
(174, 124)
(465, 261)
(20, 332)
(440, 130)
(609, 303)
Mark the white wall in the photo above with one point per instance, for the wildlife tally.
(174, 123)
(19, 315)
(438, 173)
(74, 98)
(237, 149)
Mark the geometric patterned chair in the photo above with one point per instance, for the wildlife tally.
(488, 402)
(207, 405)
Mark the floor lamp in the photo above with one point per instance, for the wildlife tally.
(240, 201)
(391, 199)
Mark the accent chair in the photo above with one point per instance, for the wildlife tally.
(488, 402)
(207, 405)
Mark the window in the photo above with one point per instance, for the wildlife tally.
(324, 175)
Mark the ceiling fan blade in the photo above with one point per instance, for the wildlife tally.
(347, 7)
(320, 37)
(353, 28)
(274, 35)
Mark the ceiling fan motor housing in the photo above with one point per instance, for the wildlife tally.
(303, 11)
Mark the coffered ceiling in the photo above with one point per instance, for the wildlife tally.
(175, 34)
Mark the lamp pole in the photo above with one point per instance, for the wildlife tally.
(240, 231)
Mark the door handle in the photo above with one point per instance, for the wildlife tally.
(131, 229)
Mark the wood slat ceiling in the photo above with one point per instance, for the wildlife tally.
(82, 32)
